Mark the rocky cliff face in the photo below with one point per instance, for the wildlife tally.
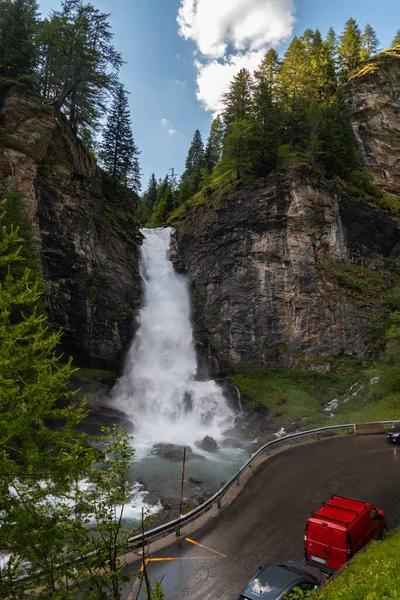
(275, 266)
(374, 99)
(88, 241)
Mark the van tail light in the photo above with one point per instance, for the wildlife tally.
(349, 550)
(305, 540)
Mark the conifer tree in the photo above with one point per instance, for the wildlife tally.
(213, 151)
(78, 61)
(148, 202)
(269, 70)
(396, 39)
(322, 76)
(18, 28)
(338, 150)
(295, 85)
(166, 203)
(119, 153)
(331, 41)
(349, 50)
(266, 119)
(237, 101)
(238, 152)
(195, 162)
(369, 42)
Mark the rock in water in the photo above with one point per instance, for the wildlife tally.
(208, 444)
(172, 451)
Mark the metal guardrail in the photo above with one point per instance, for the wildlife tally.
(176, 524)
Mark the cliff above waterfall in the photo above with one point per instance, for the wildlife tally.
(373, 94)
(84, 224)
(286, 271)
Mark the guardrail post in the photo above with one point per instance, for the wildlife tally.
(238, 480)
(291, 443)
(219, 503)
(317, 435)
(178, 530)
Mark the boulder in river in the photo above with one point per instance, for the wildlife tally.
(208, 444)
(172, 451)
(196, 480)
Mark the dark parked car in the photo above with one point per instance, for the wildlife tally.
(393, 435)
(274, 581)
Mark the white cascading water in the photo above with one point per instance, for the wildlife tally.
(158, 390)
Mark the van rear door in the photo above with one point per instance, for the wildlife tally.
(319, 543)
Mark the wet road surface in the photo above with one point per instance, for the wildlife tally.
(265, 524)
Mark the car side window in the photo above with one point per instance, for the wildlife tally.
(374, 515)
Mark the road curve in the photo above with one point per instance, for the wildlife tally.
(265, 524)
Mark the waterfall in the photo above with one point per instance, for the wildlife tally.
(158, 390)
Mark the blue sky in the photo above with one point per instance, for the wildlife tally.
(175, 72)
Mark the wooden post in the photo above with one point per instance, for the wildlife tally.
(183, 479)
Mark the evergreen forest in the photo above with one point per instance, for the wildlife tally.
(291, 108)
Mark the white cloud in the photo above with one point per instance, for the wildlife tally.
(230, 35)
(172, 131)
(164, 122)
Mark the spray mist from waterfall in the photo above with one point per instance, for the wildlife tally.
(158, 391)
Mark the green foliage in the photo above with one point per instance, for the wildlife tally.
(18, 49)
(213, 151)
(237, 101)
(78, 63)
(372, 574)
(396, 39)
(16, 213)
(165, 203)
(369, 42)
(148, 202)
(349, 49)
(238, 156)
(118, 151)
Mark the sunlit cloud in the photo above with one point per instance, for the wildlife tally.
(230, 35)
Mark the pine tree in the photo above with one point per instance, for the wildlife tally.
(331, 41)
(322, 76)
(213, 151)
(78, 62)
(195, 162)
(32, 379)
(237, 101)
(148, 202)
(396, 39)
(18, 28)
(338, 150)
(369, 42)
(166, 203)
(238, 153)
(295, 79)
(119, 153)
(269, 70)
(265, 114)
(349, 49)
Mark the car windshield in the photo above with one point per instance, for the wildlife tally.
(299, 572)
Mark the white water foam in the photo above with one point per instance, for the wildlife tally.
(158, 390)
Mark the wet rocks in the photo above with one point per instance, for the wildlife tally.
(196, 480)
(172, 451)
(208, 444)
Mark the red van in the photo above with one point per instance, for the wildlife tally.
(339, 529)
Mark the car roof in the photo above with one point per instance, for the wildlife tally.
(270, 582)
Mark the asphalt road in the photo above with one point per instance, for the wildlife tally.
(265, 524)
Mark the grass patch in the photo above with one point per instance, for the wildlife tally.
(292, 395)
(300, 395)
(372, 574)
